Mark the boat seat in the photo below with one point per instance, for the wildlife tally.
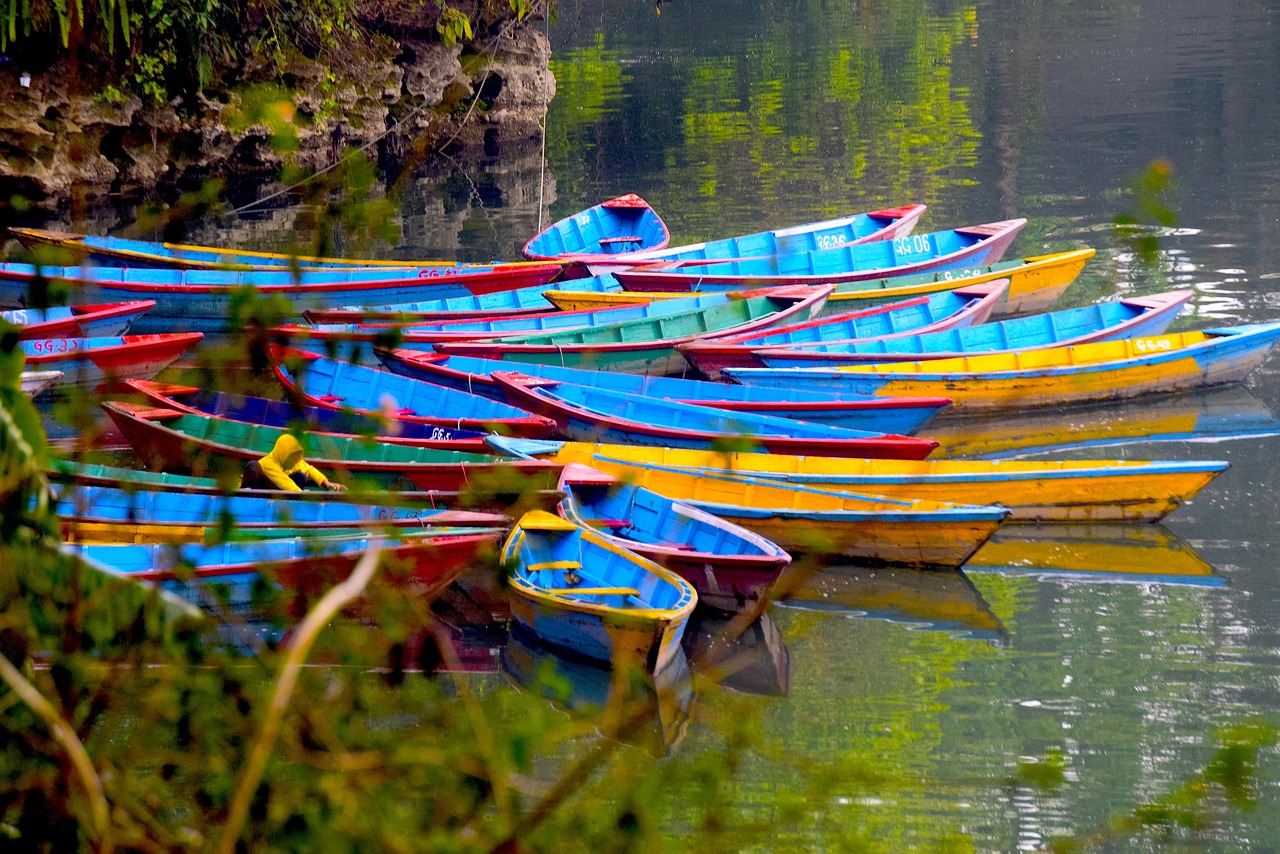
(551, 565)
(613, 241)
(591, 591)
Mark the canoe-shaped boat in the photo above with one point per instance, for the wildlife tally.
(319, 381)
(619, 226)
(316, 420)
(1034, 283)
(649, 346)
(731, 567)
(947, 310)
(804, 520)
(178, 441)
(914, 253)
(925, 601)
(516, 302)
(201, 300)
(1126, 318)
(598, 414)
(105, 363)
(423, 335)
(1032, 490)
(875, 414)
(1218, 414)
(135, 480)
(577, 590)
(1108, 370)
(308, 565)
(109, 514)
(76, 321)
(35, 382)
(886, 224)
(1124, 554)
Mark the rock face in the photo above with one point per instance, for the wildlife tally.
(410, 100)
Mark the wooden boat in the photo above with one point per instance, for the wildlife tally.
(423, 335)
(577, 590)
(931, 601)
(149, 254)
(915, 253)
(316, 380)
(134, 480)
(489, 306)
(731, 567)
(805, 520)
(1215, 414)
(201, 300)
(886, 224)
(1109, 370)
(180, 442)
(76, 321)
(1034, 283)
(1108, 321)
(1032, 490)
(304, 565)
(880, 415)
(317, 421)
(586, 413)
(104, 363)
(1124, 554)
(619, 226)
(649, 346)
(35, 382)
(947, 310)
(109, 514)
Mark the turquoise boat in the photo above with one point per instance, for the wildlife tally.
(575, 589)
(854, 412)
(648, 346)
(1108, 321)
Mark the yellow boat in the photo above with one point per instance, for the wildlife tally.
(1034, 284)
(803, 520)
(1032, 490)
(1019, 380)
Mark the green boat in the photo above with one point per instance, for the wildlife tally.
(648, 345)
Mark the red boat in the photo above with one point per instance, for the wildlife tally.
(104, 364)
(172, 440)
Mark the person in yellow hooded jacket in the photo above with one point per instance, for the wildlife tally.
(284, 468)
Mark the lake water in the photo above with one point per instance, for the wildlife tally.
(738, 116)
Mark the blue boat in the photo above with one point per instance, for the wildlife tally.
(1108, 321)
(98, 513)
(201, 300)
(854, 412)
(731, 567)
(320, 381)
(232, 574)
(956, 309)
(423, 336)
(77, 321)
(915, 253)
(509, 303)
(575, 589)
(600, 415)
(279, 413)
(621, 225)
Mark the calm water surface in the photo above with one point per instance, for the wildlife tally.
(741, 115)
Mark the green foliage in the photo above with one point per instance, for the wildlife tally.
(1149, 210)
(454, 26)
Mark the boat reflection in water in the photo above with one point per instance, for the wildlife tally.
(931, 600)
(1205, 416)
(1134, 554)
(627, 704)
(746, 655)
